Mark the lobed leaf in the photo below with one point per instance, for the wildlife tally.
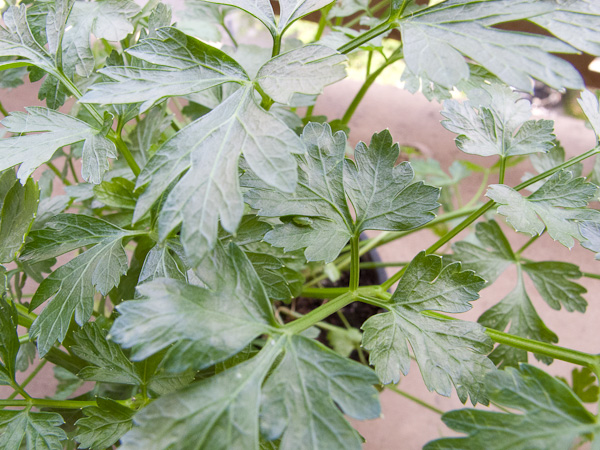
(33, 430)
(103, 425)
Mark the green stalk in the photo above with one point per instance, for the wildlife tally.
(58, 173)
(229, 33)
(354, 263)
(72, 167)
(489, 205)
(25, 317)
(133, 165)
(366, 37)
(378, 7)
(276, 45)
(377, 264)
(3, 110)
(527, 244)
(323, 21)
(317, 315)
(266, 101)
(323, 325)
(47, 403)
(591, 275)
(502, 169)
(417, 400)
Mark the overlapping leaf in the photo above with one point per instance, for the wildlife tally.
(590, 107)
(496, 124)
(448, 352)
(59, 130)
(289, 11)
(31, 430)
(576, 22)
(179, 65)
(209, 149)
(73, 285)
(319, 216)
(551, 416)
(9, 342)
(557, 206)
(437, 39)
(227, 317)
(304, 414)
(306, 69)
(489, 254)
(103, 425)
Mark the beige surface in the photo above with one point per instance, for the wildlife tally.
(414, 121)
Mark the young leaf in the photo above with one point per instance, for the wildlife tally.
(179, 65)
(557, 207)
(497, 124)
(210, 148)
(516, 314)
(33, 150)
(551, 416)
(108, 362)
(116, 193)
(228, 316)
(448, 30)
(585, 385)
(289, 11)
(303, 396)
(19, 208)
(488, 255)
(305, 70)
(576, 22)
(35, 431)
(9, 340)
(161, 262)
(447, 351)
(317, 217)
(103, 425)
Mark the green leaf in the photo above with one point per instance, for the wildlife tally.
(497, 124)
(557, 207)
(9, 339)
(552, 280)
(74, 284)
(206, 414)
(590, 107)
(103, 425)
(489, 254)
(317, 216)
(447, 351)
(516, 314)
(19, 208)
(210, 148)
(108, 362)
(590, 232)
(306, 395)
(576, 22)
(105, 19)
(229, 315)
(67, 385)
(33, 150)
(116, 193)
(35, 431)
(551, 417)
(305, 70)
(180, 65)
(437, 39)
(17, 40)
(67, 232)
(162, 262)
(289, 11)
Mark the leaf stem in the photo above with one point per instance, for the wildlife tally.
(229, 33)
(489, 205)
(122, 147)
(379, 6)
(47, 403)
(354, 263)
(377, 264)
(417, 400)
(318, 314)
(502, 169)
(3, 110)
(591, 275)
(58, 173)
(527, 244)
(276, 45)
(366, 37)
(323, 21)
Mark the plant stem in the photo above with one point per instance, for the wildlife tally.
(133, 165)
(31, 376)
(502, 169)
(19, 390)
(229, 33)
(72, 167)
(323, 292)
(276, 45)
(591, 275)
(417, 400)
(323, 21)
(489, 205)
(378, 7)
(58, 173)
(266, 101)
(366, 37)
(317, 315)
(47, 403)
(26, 318)
(354, 263)
(527, 244)
(3, 110)
(362, 91)
(377, 264)
(323, 325)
